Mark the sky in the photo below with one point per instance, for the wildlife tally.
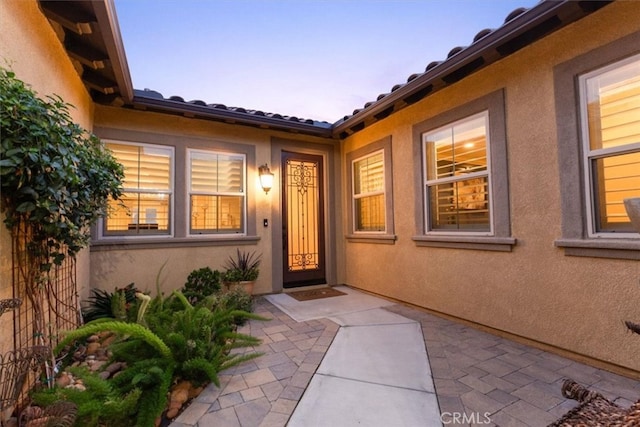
(313, 59)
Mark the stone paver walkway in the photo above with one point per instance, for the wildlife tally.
(480, 379)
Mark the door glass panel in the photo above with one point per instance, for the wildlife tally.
(302, 215)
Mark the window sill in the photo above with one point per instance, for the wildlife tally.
(117, 244)
(384, 239)
(500, 244)
(601, 248)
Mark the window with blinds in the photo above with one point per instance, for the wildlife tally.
(145, 206)
(611, 135)
(457, 176)
(368, 193)
(216, 192)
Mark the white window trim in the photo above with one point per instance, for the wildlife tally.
(171, 192)
(355, 197)
(588, 155)
(487, 173)
(188, 194)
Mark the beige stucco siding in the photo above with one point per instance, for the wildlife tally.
(30, 48)
(121, 265)
(534, 291)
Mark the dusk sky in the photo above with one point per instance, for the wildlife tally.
(313, 59)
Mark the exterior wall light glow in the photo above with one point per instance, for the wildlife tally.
(266, 178)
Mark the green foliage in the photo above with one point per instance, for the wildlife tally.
(132, 330)
(201, 283)
(176, 341)
(55, 177)
(205, 333)
(243, 267)
(237, 299)
(100, 401)
(117, 305)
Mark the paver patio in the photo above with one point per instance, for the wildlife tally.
(480, 378)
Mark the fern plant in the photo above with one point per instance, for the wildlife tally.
(201, 337)
(173, 340)
(100, 401)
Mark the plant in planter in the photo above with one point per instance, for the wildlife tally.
(243, 269)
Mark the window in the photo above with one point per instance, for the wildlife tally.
(146, 204)
(457, 177)
(610, 125)
(598, 148)
(371, 193)
(368, 193)
(461, 177)
(216, 192)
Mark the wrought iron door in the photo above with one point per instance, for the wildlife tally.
(303, 220)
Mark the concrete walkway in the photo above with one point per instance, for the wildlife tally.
(377, 360)
(360, 360)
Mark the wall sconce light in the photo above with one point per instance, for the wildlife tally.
(266, 178)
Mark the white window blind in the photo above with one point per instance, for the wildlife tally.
(368, 193)
(611, 133)
(145, 206)
(216, 192)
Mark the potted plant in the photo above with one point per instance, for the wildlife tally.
(632, 205)
(242, 270)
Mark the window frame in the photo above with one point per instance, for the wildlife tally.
(383, 237)
(575, 239)
(189, 192)
(355, 197)
(589, 154)
(102, 225)
(427, 183)
(499, 238)
(180, 237)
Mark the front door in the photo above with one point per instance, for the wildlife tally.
(302, 220)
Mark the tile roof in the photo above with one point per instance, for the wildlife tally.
(96, 35)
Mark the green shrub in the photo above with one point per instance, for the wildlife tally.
(237, 299)
(201, 283)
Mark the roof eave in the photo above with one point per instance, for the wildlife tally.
(228, 116)
(106, 14)
(543, 19)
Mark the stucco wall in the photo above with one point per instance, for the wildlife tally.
(30, 48)
(121, 265)
(535, 291)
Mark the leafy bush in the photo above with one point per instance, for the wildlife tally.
(201, 283)
(56, 178)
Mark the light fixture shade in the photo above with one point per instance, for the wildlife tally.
(266, 178)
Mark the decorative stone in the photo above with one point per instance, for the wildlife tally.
(64, 379)
(114, 367)
(92, 348)
(93, 338)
